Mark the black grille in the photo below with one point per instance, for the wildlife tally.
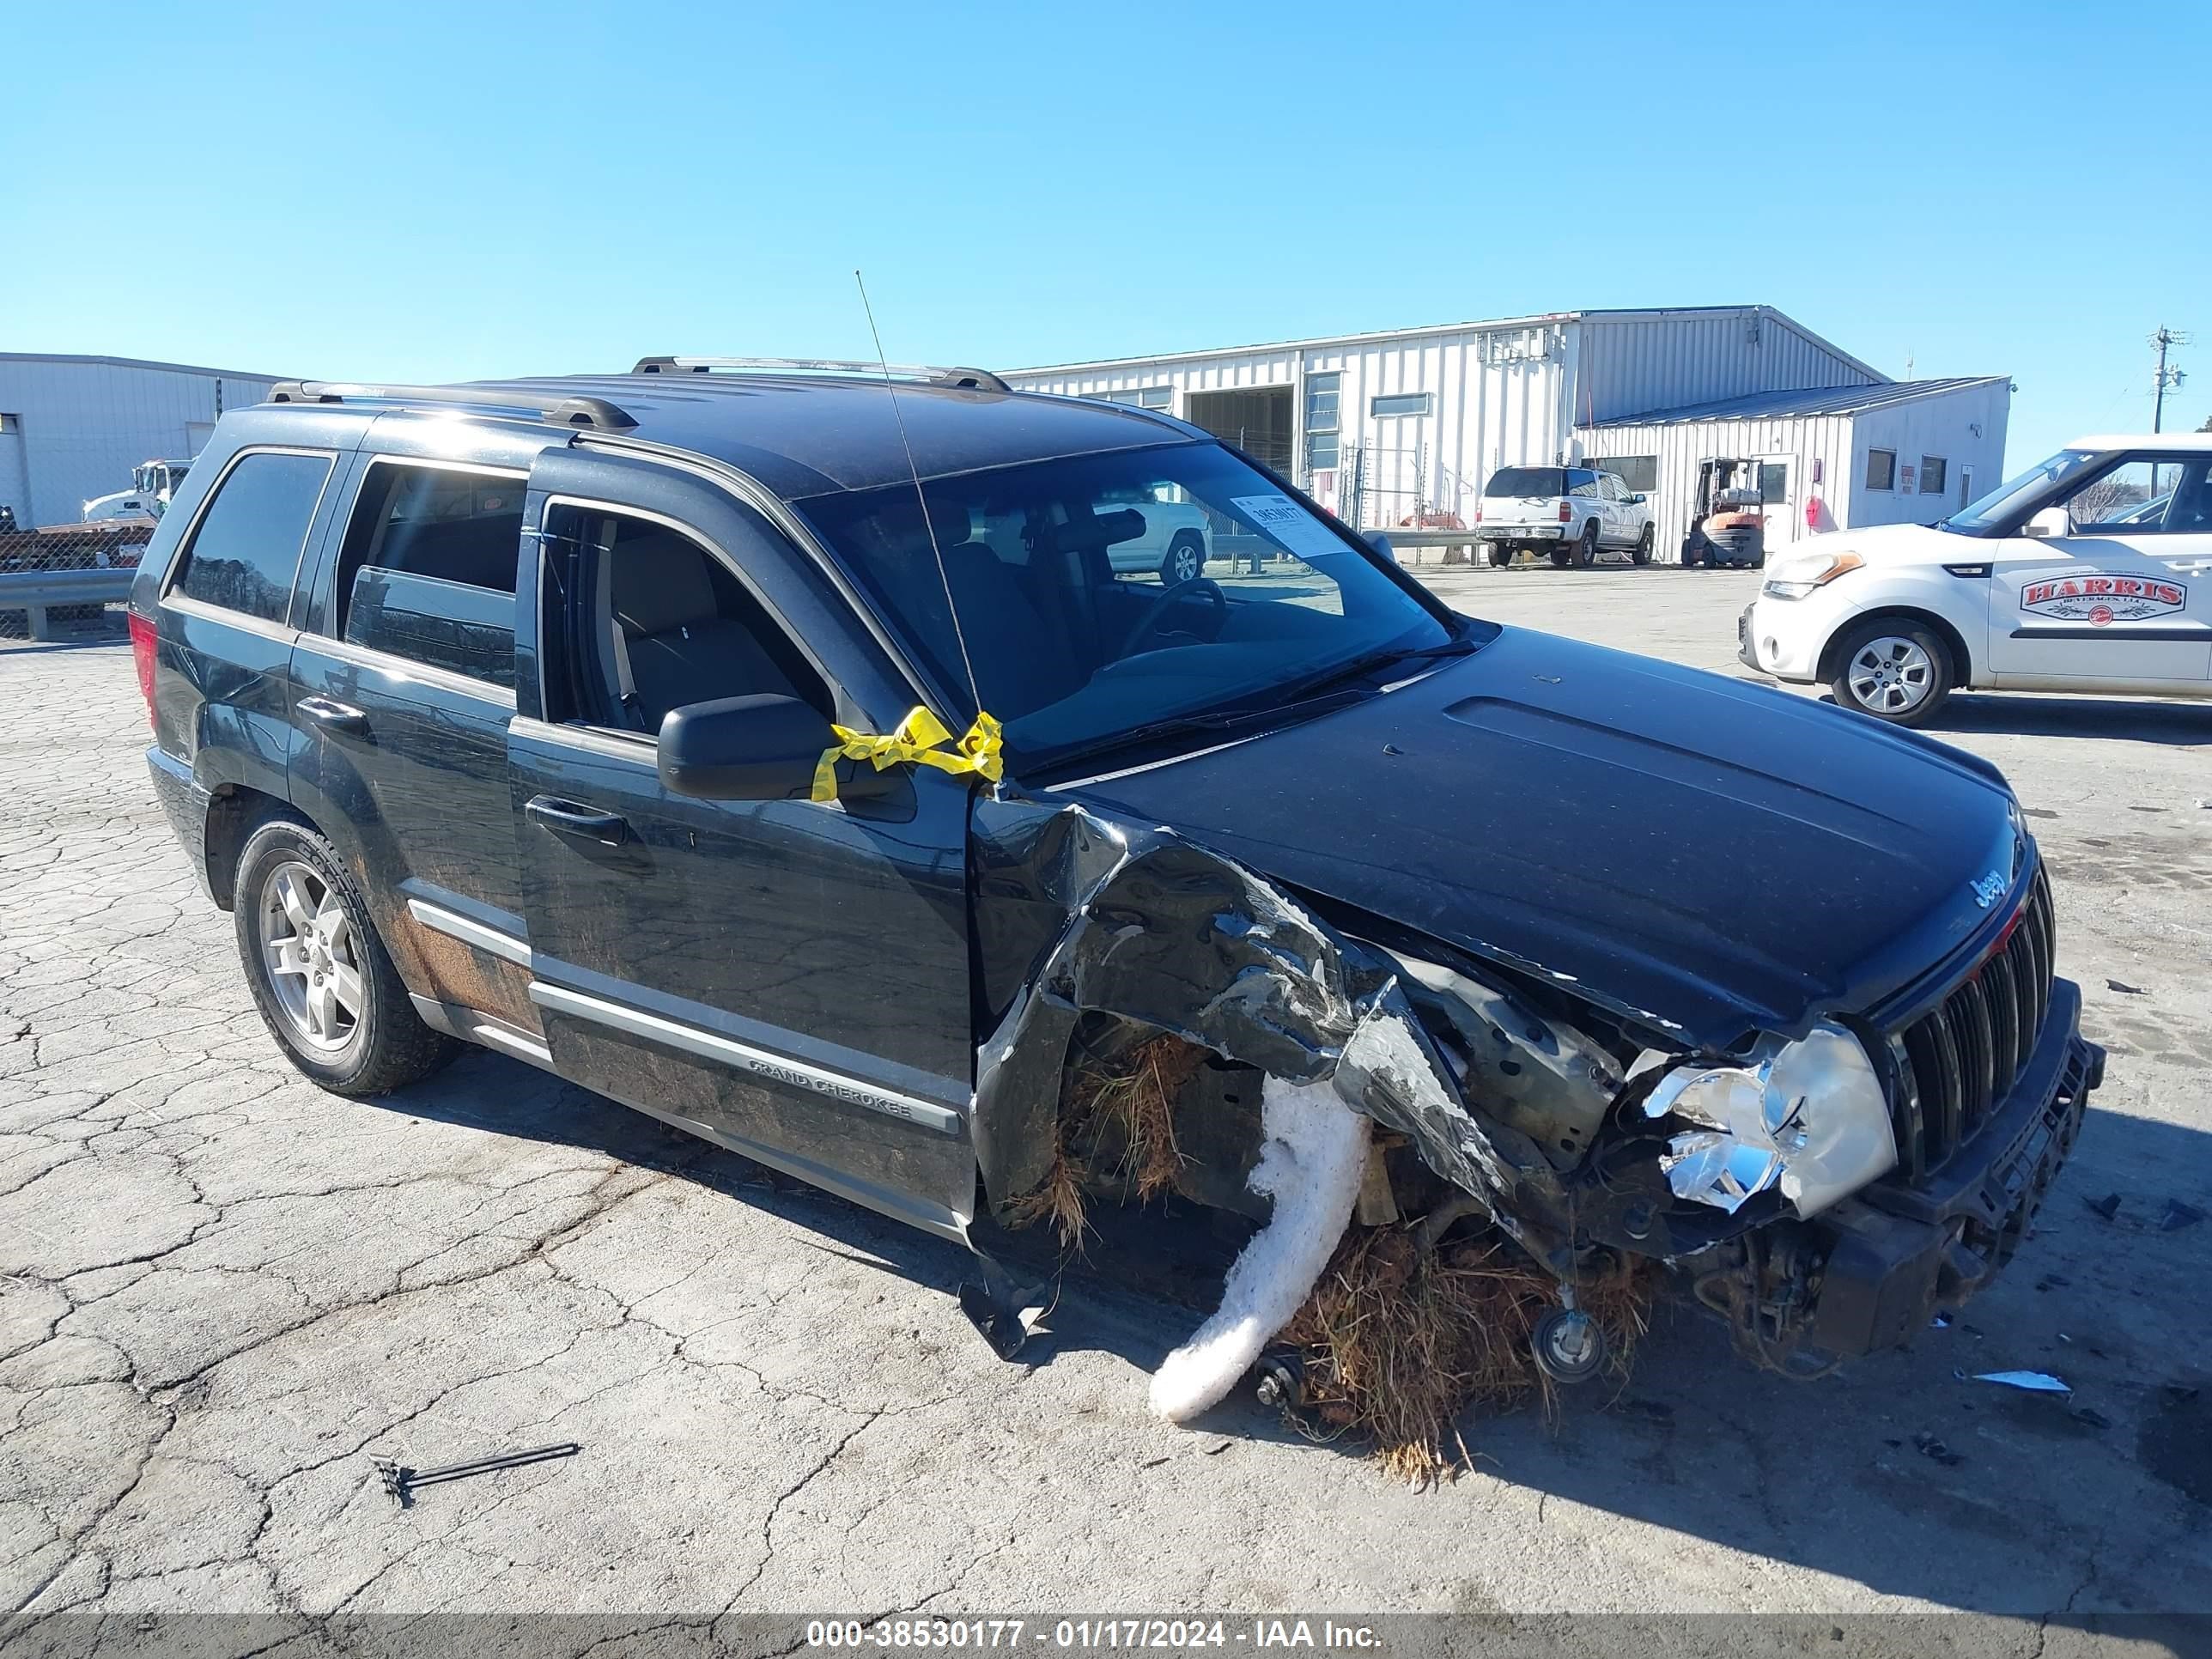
(1957, 1063)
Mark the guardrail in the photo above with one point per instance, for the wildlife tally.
(36, 592)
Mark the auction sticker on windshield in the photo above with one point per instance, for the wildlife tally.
(1289, 525)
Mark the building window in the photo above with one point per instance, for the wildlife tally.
(1145, 397)
(1882, 468)
(1639, 473)
(1321, 404)
(1774, 481)
(1934, 470)
(1321, 450)
(1401, 403)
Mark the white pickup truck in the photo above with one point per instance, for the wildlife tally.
(1572, 512)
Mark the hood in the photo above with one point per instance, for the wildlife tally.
(1699, 854)
(1887, 544)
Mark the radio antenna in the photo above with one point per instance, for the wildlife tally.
(921, 505)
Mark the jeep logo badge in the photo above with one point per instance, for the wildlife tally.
(1988, 891)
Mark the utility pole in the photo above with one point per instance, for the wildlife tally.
(2163, 338)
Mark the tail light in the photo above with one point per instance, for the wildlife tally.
(1566, 511)
(142, 638)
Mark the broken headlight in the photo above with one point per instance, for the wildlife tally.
(1808, 1118)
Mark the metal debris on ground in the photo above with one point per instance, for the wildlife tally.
(1398, 1341)
(2125, 990)
(1929, 1446)
(2178, 1215)
(2107, 1206)
(401, 1481)
(2030, 1382)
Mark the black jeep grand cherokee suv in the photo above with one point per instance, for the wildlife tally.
(611, 722)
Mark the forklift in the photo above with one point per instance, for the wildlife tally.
(1727, 517)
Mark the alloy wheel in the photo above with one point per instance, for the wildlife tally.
(1890, 675)
(312, 957)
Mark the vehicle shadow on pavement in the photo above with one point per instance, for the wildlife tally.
(1901, 1472)
(2029, 714)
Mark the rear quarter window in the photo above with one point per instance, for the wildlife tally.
(243, 555)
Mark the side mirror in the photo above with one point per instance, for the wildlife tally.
(1637, 500)
(1381, 543)
(759, 748)
(2050, 521)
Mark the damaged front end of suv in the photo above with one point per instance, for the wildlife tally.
(1823, 1188)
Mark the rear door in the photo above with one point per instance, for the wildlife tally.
(404, 686)
(789, 977)
(2125, 598)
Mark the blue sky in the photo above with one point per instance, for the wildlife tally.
(445, 192)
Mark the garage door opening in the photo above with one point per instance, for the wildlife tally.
(1257, 419)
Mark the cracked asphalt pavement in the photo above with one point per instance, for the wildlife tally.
(226, 1292)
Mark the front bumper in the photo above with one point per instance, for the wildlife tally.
(1785, 637)
(1898, 1253)
(1519, 532)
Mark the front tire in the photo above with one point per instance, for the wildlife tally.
(1894, 669)
(1186, 559)
(320, 975)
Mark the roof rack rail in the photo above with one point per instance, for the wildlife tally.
(563, 411)
(970, 380)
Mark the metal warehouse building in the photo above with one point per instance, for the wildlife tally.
(73, 428)
(1403, 428)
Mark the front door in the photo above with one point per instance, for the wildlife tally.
(2126, 595)
(790, 977)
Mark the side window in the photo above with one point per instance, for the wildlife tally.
(2143, 497)
(245, 552)
(658, 622)
(1582, 483)
(427, 569)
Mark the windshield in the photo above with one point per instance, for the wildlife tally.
(2014, 497)
(1512, 481)
(1103, 594)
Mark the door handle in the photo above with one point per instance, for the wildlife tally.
(339, 719)
(568, 817)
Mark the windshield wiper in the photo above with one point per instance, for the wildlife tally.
(1301, 700)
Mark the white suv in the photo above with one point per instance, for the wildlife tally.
(1572, 512)
(1176, 541)
(2090, 572)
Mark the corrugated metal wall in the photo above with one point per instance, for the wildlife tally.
(1635, 364)
(85, 425)
(1495, 396)
(1966, 428)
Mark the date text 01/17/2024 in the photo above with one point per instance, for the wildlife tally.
(1087, 1634)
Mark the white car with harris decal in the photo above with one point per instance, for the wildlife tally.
(2090, 572)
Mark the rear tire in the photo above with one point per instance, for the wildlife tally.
(321, 977)
(1643, 553)
(1563, 556)
(1586, 548)
(1894, 669)
(1501, 555)
(1186, 559)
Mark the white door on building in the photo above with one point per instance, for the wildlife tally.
(1785, 512)
(2125, 594)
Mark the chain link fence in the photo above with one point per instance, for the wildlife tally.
(69, 581)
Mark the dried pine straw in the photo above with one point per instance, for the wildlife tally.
(1122, 1109)
(1396, 1346)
